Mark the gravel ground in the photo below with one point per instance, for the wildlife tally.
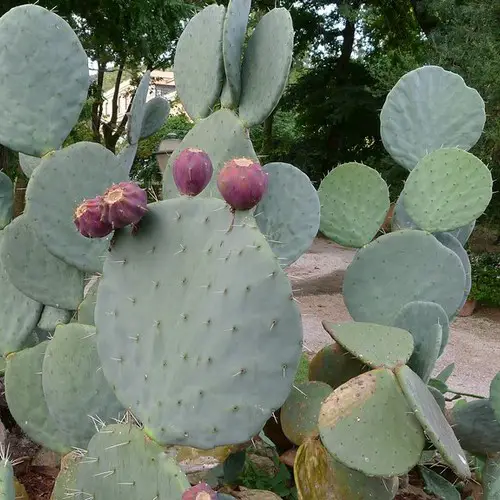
(317, 278)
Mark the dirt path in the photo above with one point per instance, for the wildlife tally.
(317, 278)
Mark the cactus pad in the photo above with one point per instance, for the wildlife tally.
(439, 397)
(235, 28)
(6, 200)
(435, 190)
(319, 477)
(65, 482)
(87, 307)
(430, 108)
(24, 394)
(429, 414)
(74, 385)
(51, 317)
(438, 486)
(495, 395)
(335, 366)
(367, 425)
(18, 313)
(398, 268)
(155, 115)
(199, 67)
(288, 214)
(223, 138)
(476, 426)
(35, 271)
(354, 202)
(374, 345)
(82, 170)
(138, 110)
(7, 490)
(44, 80)
(491, 479)
(299, 414)
(212, 307)
(123, 463)
(427, 322)
(28, 163)
(264, 78)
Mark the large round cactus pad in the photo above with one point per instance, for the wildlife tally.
(24, 394)
(62, 181)
(28, 163)
(374, 345)
(263, 78)
(192, 319)
(398, 268)
(319, 477)
(35, 271)
(223, 138)
(235, 28)
(335, 366)
(138, 110)
(74, 385)
(476, 426)
(430, 108)
(6, 200)
(367, 425)
(435, 425)
(199, 67)
(354, 202)
(428, 324)
(299, 414)
(18, 313)
(44, 80)
(448, 189)
(288, 214)
(491, 478)
(155, 115)
(123, 463)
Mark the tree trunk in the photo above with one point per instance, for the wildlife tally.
(97, 104)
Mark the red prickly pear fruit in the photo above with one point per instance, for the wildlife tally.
(201, 491)
(192, 171)
(124, 203)
(242, 183)
(88, 219)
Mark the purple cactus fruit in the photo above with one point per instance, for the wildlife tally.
(192, 171)
(88, 219)
(242, 183)
(201, 491)
(124, 203)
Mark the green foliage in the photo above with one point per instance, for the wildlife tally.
(303, 370)
(485, 278)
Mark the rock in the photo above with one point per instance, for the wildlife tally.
(288, 458)
(245, 494)
(264, 464)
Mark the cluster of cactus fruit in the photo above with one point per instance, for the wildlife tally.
(188, 335)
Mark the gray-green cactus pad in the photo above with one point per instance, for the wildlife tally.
(28, 163)
(123, 463)
(439, 397)
(51, 317)
(435, 190)
(24, 394)
(476, 426)
(438, 485)
(81, 171)
(37, 272)
(209, 305)
(367, 425)
(6, 200)
(87, 307)
(235, 28)
(7, 491)
(289, 213)
(491, 479)
(495, 395)
(18, 313)
(44, 80)
(374, 345)
(354, 202)
(435, 425)
(75, 389)
(223, 137)
(335, 366)
(430, 108)
(299, 414)
(138, 110)
(428, 324)
(155, 115)
(198, 63)
(398, 268)
(264, 78)
(126, 157)
(66, 479)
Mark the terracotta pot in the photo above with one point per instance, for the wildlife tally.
(468, 308)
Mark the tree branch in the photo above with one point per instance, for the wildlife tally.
(348, 34)
(116, 94)
(97, 104)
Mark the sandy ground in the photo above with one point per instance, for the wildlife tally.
(317, 277)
